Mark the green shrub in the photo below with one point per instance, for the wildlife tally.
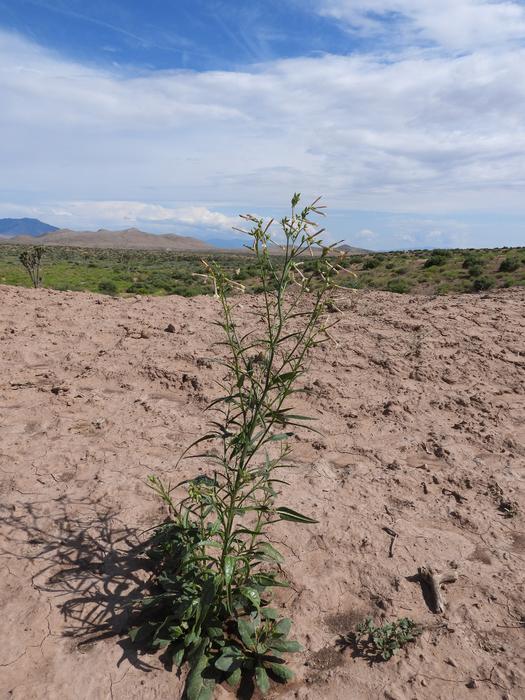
(215, 562)
(140, 288)
(472, 260)
(399, 286)
(437, 257)
(509, 264)
(371, 263)
(351, 283)
(481, 284)
(108, 287)
(475, 270)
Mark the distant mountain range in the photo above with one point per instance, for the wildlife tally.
(35, 232)
(24, 227)
(131, 238)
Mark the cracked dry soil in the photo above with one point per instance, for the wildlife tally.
(422, 408)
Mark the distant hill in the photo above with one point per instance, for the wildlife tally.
(275, 249)
(351, 250)
(24, 227)
(131, 238)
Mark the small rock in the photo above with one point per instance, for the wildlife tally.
(56, 390)
(390, 695)
(144, 334)
(451, 662)
(472, 684)
(170, 328)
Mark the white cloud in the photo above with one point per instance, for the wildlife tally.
(134, 213)
(453, 24)
(418, 132)
(429, 233)
(114, 214)
(366, 234)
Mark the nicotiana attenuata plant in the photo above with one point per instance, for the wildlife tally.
(214, 559)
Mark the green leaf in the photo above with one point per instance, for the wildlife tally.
(215, 632)
(269, 552)
(198, 687)
(134, 632)
(208, 593)
(283, 626)
(229, 568)
(262, 680)
(267, 580)
(234, 678)
(280, 670)
(226, 662)
(289, 514)
(209, 543)
(178, 657)
(279, 437)
(293, 416)
(252, 595)
(191, 638)
(232, 650)
(161, 643)
(269, 613)
(246, 632)
(288, 645)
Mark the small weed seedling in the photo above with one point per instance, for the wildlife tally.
(32, 261)
(214, 560)
(383, 642)
(508, 508)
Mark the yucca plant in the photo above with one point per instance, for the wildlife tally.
(214, 560)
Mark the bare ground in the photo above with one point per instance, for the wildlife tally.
(422, 407)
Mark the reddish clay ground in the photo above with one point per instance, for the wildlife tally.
(422, 409)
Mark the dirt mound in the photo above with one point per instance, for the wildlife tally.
(422, 408)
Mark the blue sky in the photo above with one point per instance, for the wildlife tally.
(175, 116)
(167, 34)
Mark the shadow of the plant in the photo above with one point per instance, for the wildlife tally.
(85, 556)
(88, 558)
